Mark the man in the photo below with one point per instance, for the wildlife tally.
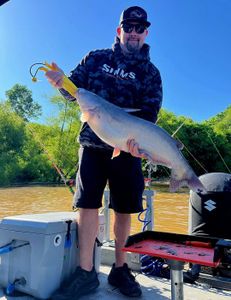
(124, 76)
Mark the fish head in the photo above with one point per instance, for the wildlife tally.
(89, 104)
(86, 100)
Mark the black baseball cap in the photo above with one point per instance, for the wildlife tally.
(134, 14)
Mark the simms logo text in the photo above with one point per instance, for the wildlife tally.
(118, 72)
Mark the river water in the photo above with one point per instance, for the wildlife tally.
(170, 209)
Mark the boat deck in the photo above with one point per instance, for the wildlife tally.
(152, 287)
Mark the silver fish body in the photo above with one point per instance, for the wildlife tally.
(115, 127)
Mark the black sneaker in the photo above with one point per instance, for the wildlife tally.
(122, 278)
(81, 283)
(190, 278)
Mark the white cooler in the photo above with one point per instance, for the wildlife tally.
(37, 252)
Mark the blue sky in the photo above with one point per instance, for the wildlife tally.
(190, 44)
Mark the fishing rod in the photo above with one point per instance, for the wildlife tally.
(69, 86)
(189, 152)
(59, 170)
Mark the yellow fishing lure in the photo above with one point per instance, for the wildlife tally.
(68, 85)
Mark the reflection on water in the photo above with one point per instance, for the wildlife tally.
(170, 209)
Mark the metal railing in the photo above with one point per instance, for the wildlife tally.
(148, 196)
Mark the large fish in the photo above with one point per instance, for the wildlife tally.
(115, 127)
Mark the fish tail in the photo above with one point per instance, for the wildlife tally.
(192, 182)
(196, 185)
(176, 184)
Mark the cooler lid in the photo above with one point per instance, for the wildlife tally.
(46, 223)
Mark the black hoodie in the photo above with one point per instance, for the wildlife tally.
(130, 81)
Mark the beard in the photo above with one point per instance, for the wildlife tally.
(133, 47)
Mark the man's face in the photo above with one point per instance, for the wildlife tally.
(132, 36)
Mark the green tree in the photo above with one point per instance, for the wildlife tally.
(58, 139)
(36, 166)
(175, 126)
(221, 141)
(221, 123)
(21, 101)
(29, 151)
(12, 133)
(207, 148)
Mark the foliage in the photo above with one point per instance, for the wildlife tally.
(62, 142)
(12, 133)
(221, 123)
(207, 145)
(55, 144)
(29, 152)
(21, 101)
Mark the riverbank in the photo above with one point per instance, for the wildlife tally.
(31, 184)
(154, 182)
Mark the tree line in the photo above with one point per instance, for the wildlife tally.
(33, 152)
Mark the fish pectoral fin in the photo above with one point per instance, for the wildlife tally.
(89, 113)
(116, 152)
(145, 154)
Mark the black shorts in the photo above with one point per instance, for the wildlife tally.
(123, 174)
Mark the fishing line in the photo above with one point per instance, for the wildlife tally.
(178, 128)
(67, 85)
(59, 171)
(219, 153)
(187, 149)
(194, 158)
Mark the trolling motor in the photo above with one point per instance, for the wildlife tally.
(68, 85)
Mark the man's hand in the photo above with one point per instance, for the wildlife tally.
(55, 77)
(133, 148)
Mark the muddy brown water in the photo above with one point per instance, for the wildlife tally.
(170, 209)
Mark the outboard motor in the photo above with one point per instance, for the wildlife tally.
(210, 214)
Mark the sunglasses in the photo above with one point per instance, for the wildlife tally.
(139, 28)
